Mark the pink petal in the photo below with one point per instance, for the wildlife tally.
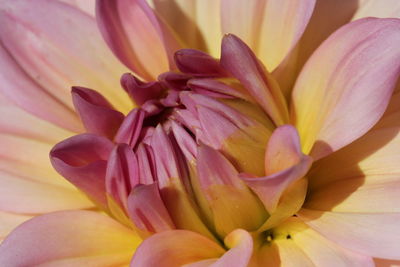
(9, 221)
(69, 238)
(241, 62)
(145, 156)
(185, 142)
(22, 91)
(374, 234)
(174, 185)
(283, 150)
(56, 58)
(96, 113)
(333, 84)
(285, 164)
(147, 210)
(240, 243)
(122, 173)
(198, 63)
(174, 249)
(131, 128)
(124, 22)
(392, 114)
(270, 28)
(140, 91)
(236, 131)
(82, 159)
(216, 88)
(379, 9)
(231, 203)
(87, 6)
(14, 121)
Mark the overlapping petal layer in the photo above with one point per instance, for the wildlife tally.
(69, 238)
(346, 74)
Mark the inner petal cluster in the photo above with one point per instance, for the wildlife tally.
(201, 152)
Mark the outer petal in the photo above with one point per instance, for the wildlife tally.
(377, 235)
(271, 28)
(41, 42)
(96, 113)
(174, 249)
(300, 245)
(85, 5)
(70, 238)
(24, 92)
(362, 177)
(9, 221)
(328, 16)
(28, 182)
(82, 159)
(380, 9)
(334, 84)
(123, 23)
(197, 22)
(242, 63)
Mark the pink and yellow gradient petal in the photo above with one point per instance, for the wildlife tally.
(347, 74)
(123, 23)
(51, 62)
(69, 238)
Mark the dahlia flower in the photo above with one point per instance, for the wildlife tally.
(199, 133)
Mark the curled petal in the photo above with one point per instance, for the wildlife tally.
(147, 210)
(124, 22)
(241, 62)
(285, 164)
(283, 150)
(174, 249)
(174, 80)
(122, 173)
(198, 63)
(131, 127)
(231, 203)
(140, 91)
(69, 238)
(333, 85)
(96, 113)
(240, 244)
(82, 159)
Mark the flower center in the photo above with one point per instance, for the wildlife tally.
(198, 153)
